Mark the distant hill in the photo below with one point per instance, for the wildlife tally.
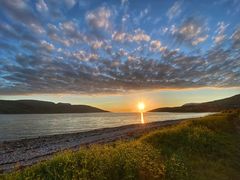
(43, 107)
(212, 106)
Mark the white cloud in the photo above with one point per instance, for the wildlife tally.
(236, 38)
(155, 46)
(123, 52)
(71, 30)
(52, 28)
(62, 41)
(83, 55)
(119, 36)
(18, 4)
(140, 36)
(97, 44)
(47, 46)
(236, 35)
(41, 6)
(137, 36)
(220, 32)
(175, 10)
(20, 11)
(192, 32)
(199, 40)
(219, 38)
(173, 29)
(164, 30)
(221, 27)
(93, 56)
(68, 26)
(53, 33)
(99, 18)
(132, 58)
(80, 55)
(37, 28)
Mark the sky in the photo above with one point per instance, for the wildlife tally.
(112, 54)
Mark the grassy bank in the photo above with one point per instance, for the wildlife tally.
(203, 148)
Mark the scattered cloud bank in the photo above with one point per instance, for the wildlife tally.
(75, 47)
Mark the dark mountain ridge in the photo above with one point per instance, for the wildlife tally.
(212, 106)
(43, 107)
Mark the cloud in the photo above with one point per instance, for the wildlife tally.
(82, 56)
(236, 39)
(137, 36)
(91, 49)
(219, 38)
(41, 6)
(70, 29)
(198, 40)
(97, 44)
(86, 72)
(54, 34)
(99, 18)
(191, 32)
(120, 36)
(221, 27)
(37, 29)
(220, 33)
(155, 45)
(8, 31)
(20, 11)
(17, 32)
(47, 46)
(66, 33)
(175, 10)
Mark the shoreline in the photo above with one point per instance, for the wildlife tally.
(26, 152)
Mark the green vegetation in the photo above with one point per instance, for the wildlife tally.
(203, 148)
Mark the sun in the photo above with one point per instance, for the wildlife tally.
(141, 106)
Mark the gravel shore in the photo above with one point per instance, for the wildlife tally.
(26, 152)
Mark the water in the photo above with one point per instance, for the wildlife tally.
(13, 127)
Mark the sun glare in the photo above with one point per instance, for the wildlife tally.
(141, 106)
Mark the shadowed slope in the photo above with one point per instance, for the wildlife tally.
(213, 106)
(43, 107)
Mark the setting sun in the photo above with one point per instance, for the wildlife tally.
(141, 106)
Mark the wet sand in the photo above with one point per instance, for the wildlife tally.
(21, 153)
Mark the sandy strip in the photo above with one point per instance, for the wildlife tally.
(26, 152)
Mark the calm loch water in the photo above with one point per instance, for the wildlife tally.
(14, 127)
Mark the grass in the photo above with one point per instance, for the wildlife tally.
(203, 148)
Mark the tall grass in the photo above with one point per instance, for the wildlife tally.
(203, 148)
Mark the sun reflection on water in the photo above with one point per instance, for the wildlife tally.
(141, 107)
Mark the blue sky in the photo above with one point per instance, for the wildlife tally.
(101, 52)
